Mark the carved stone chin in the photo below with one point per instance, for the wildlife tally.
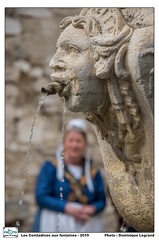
(105, 64)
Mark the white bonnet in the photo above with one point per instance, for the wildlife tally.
(77, 124)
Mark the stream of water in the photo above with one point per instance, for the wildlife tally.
(123, 227)
(26, 163)
(62, 160)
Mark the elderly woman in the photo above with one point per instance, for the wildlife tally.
(69, 191)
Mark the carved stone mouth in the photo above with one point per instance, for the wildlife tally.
(64, 91)
(60, 87)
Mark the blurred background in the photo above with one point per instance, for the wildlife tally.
(30, 43)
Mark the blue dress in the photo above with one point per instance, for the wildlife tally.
(47, 191)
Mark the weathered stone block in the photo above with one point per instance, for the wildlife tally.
(24, 130)
(35, 12)
(13, 26)
(12, 74)
(23, 66)
(36, 72)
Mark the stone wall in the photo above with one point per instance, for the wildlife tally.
(31, 35)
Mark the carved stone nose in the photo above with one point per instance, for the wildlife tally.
(51, 63)
(57, 64)
(56, 59)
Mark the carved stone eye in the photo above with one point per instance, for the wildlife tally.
(74, 49)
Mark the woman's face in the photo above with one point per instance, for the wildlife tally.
(75, 145)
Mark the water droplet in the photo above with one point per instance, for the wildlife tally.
(62, 180)
(62, 149)
(123, 229)
(24, 181)
(61, 188)
(22, 193)
(20, 202)
(26, 169)
(61, 195)
(63, 165)
(62, 153)
(17, 223)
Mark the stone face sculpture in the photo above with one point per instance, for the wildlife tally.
(103, 67)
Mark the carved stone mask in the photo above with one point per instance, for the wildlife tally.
(104, 67)
(74, 74)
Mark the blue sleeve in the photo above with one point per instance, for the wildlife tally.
(44, 192)
(100, 195)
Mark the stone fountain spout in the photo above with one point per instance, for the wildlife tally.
(104, 68)
(49, 89)
(56, 87)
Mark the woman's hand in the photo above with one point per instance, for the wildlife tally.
(89, 209)
(80, 212)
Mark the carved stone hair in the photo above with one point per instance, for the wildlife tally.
(109, 36)
(107, 32)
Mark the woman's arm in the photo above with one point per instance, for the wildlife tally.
(99, 201)
(46, 181)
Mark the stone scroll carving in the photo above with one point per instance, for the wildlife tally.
(103, 67)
